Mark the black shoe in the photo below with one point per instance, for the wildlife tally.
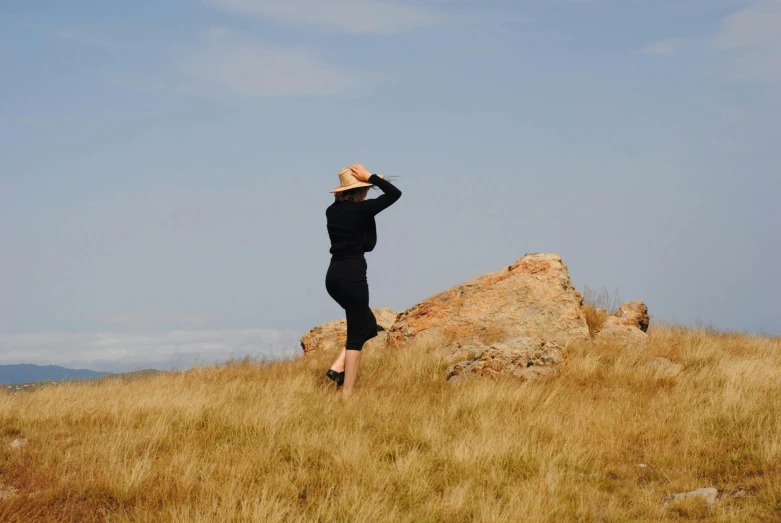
(338, 377)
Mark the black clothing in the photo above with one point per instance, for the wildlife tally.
(346, 283)
(351, 225)
(353, 232)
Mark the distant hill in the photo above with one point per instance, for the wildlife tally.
(26, 373)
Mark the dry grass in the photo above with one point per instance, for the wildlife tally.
(602, 299)
(598, 306)
(595, 318)
(252, 442)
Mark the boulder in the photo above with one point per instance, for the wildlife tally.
(633, 314)
(534, 297)
(628, 325)
(629, 336)
(524, 358)
(333, 335)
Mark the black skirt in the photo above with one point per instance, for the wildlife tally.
(346, 283)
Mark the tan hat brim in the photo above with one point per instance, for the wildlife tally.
(353, 186)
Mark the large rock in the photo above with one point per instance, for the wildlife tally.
(533, 297)
(628, 325)
(524, 358)
(333, 335)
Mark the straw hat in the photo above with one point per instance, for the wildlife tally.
(347, 181)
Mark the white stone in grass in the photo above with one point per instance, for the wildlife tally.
(15, 444)
(707, 494)
(7, 494)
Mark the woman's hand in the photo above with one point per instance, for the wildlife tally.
(360, 172)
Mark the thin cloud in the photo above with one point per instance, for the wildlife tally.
(350, 16)
(121, 351)
(79, 37)
(130, 322)
(664, 48)
(241, 66)
(751, 42)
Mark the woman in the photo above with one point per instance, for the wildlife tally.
(353, 232)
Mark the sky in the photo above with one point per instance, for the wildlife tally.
(165, 166)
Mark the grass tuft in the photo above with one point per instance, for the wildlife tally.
(602, 299)
(598, 306)
(595, 318)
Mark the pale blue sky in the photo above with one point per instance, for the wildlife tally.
(165, 166)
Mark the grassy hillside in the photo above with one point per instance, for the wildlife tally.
(30, 386)
(27, 373)
(255, 442)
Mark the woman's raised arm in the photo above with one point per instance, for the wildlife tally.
(390, 195)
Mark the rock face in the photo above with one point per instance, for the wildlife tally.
(523, 358)
(628, 325)
(333, 335)
(533, 297)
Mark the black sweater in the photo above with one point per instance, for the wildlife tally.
(351, 225)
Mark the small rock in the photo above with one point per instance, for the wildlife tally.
(707, 494)
(642, 465)
(332, 335)
(527, 359)
(15, 444)
(7, 494)
(628, 325)
(633, 314)
(624, 334)
(740, 494)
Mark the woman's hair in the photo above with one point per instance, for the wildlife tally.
(349, 195)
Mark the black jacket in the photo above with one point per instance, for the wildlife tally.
(351, 225)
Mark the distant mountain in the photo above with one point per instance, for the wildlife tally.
(26, 373)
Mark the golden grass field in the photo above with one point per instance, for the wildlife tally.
(273, 442)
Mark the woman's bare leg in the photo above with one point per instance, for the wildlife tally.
(352, 360)
(338, 365)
